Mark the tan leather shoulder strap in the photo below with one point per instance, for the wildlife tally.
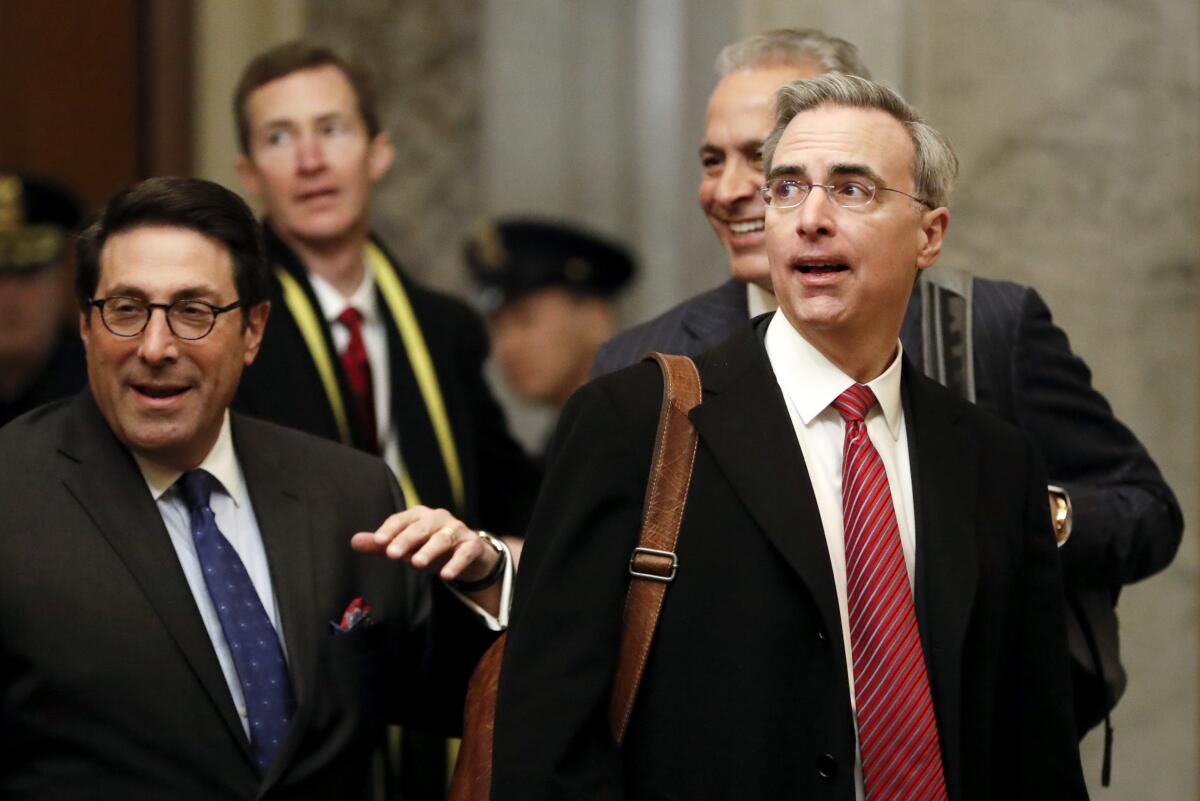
(653, 564)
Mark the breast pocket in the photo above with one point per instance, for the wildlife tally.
(357, 671)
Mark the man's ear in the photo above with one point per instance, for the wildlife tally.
(85, 328)
(381, 154)
(933, 232)
(248, 172)
(256, 324)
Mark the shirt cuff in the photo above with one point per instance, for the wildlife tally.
(498, 622)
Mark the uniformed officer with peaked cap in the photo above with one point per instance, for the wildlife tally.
(547, 289)
(41, 359)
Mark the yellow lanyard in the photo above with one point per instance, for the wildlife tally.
(418, 356)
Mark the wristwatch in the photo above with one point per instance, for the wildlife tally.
(493, 575)
(1060, 513)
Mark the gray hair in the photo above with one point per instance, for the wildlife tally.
(788, 46)
(935, 166)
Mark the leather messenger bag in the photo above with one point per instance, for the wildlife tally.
(652, 567)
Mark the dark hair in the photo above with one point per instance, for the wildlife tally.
(201, 206)
(283, 60)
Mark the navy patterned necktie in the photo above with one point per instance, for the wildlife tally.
(252, 639)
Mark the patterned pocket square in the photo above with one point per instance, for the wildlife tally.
(356, 616)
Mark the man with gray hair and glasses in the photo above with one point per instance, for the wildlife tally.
(991, 342)
(867, 601)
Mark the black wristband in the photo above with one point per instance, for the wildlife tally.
(493, 575)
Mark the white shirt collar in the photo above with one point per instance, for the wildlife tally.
(221, 462)
(760, 301)
(813, 382)
(333, 303)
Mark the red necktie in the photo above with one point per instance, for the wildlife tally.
(358, 375)
(897, 730)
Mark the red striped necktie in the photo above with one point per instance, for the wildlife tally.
(897, 730)
(358, 375)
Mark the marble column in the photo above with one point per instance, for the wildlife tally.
(593, 113)
(226, 35)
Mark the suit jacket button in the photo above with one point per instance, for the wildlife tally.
(827, 767)
(821, 635)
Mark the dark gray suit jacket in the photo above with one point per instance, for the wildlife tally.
(745, 692)
(1127, 521)
(109, 685)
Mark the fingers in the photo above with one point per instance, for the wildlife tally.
(463, 558)
(429, 539)
(440, 545)
(402, 533)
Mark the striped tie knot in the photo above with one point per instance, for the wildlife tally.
(855, 402)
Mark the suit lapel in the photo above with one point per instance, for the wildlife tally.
(744, 423)
(104, 479)
(945, 486)
(282, 519)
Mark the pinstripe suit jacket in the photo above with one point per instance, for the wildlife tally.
(1127, 520)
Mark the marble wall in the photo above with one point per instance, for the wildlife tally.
(226, 35)
(592, 113)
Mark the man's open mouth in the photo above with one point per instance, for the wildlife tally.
(317, 194)
(160, 391)
(820, 269)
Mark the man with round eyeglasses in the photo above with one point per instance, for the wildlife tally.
(208, 589)
(187, 319)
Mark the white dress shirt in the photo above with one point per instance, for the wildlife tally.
(810, 384)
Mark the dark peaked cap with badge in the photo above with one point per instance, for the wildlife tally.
(36, 218)
(514, 257)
